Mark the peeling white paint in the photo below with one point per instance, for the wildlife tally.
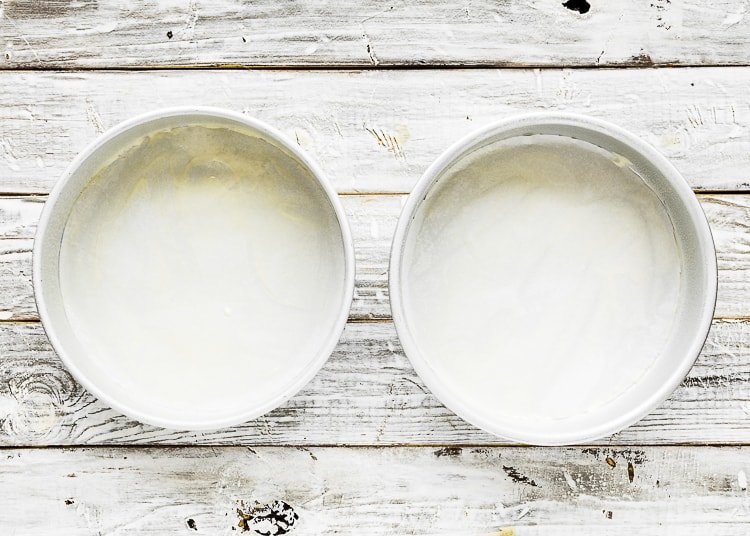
(8, 405)
(734, 18)
(569, 480)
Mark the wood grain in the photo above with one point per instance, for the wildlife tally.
(373, 220)
(366, 394)
(377, 131)
(422, 491)
(108, 34)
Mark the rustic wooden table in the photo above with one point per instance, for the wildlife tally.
(374, 91)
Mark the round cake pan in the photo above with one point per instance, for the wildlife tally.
(193, 268)
(552, 279)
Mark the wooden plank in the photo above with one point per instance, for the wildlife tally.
(377, 131)
(373, 220)
(366, 394)
(728, 216)
(426, 491)
(66, 34)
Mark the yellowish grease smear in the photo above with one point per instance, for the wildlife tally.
(202, 269)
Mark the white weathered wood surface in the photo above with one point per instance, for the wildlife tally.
(374, 131)
(384, 491)
(110, 33)
(377, 131)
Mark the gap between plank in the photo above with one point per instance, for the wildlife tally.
(378, 320)
(366, 67)
(362, 446)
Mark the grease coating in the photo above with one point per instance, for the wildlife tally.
(541, 277)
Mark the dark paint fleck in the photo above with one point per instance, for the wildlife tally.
(313, 456)
(642, 59)
(581, 6)
(243, 39)
(169, 34)
(607, 513)
(631, 455)
(631, 472)
(268, 519)
(448, 451)
(68, 502)
(517, 476)
(191, 524)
